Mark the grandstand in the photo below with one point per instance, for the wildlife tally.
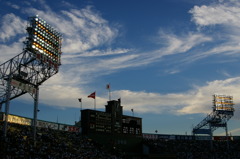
(51, 143)
(57, 140)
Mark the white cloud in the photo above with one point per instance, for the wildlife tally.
(11, 26)
(55, 93)
(225, 73)
(197, 100)
(221, 21)
(84, 29)
(88, 28)
(230, 48)
(172, 71)
(200, 101)
(107, 52)
(222, 13)
(181, 44)
(10, 51)
(13, 5)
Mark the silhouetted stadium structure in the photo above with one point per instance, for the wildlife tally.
(57, 140)
(39, 61)
(113, 129)
(112, 121)
(222, 111)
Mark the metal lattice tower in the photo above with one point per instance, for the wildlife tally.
(25, 69)
(25, 72)
(222, 112)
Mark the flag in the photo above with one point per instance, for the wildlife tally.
(108, 86)
(92, 95)
(80, 100)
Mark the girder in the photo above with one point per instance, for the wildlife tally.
(28, 70)
(213, 121)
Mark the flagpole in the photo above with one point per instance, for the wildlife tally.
(132, 112)
(94, 103)
(109, 91)
(93, 95)
(81, 106)
(80, 110)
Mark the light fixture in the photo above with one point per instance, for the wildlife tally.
(44, 39)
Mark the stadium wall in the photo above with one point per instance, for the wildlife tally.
(166, 137)
(40, 123)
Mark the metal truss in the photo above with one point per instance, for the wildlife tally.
(23, 74)
(216, 119)
(29, 70)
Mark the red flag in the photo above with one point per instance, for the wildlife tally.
(93, 95)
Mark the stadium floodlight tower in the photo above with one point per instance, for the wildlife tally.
(222, 111)
(25, 72)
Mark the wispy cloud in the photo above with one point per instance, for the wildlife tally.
(221, 21)
(10, 50)
(88, 54)
(180, 44)
(82, 29)
(196, 100)
(107, 52)
(11, 26)
(13, 5)
(225, 73)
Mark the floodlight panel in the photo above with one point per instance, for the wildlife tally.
(44, 40)
(223, 102)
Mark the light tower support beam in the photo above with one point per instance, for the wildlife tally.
(35, 114)
(222, 112)
(25, 72)
(8, 94)
(22, 74)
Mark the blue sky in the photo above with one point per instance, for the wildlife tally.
(163, 58)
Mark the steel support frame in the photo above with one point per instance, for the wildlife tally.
(28, 70)
(213, 121)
